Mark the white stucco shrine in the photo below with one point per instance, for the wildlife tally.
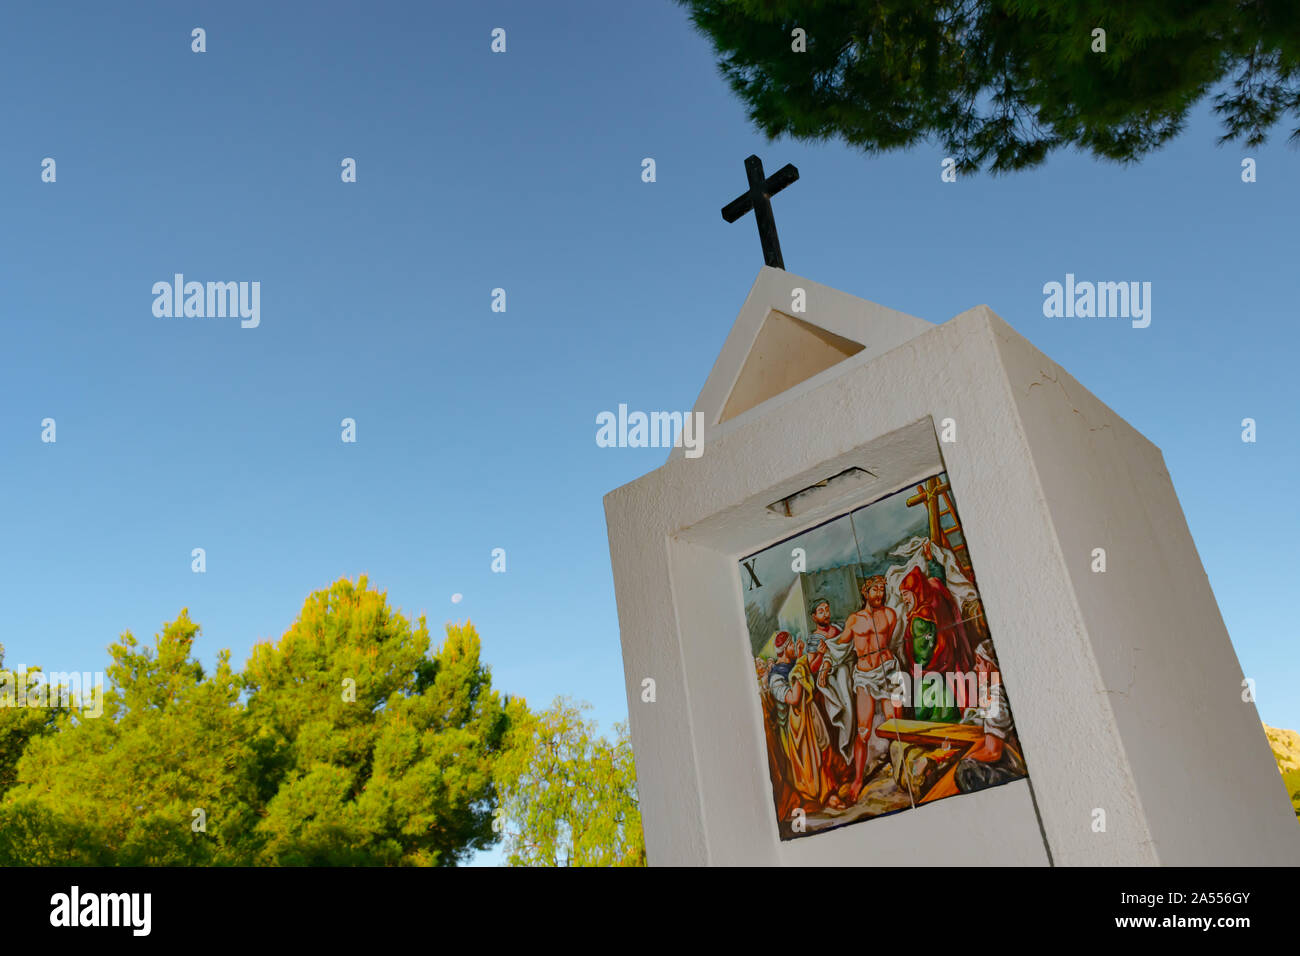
(1126, 690)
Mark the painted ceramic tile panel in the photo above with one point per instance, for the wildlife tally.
(874, 664)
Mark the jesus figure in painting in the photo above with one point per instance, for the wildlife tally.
(869, 630)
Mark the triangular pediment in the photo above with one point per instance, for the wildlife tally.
(791, 334)
(786, 352)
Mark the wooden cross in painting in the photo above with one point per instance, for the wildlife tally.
(758, 198)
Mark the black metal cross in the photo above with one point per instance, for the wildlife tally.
(758, 198)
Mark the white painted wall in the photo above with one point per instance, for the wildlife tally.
(1205, 774)
(1031, 491)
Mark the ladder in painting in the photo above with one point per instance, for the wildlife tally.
(945, 529)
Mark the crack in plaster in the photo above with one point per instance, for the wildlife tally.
(1132, 677)
(1069, 401)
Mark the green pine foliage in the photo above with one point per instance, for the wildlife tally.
(122, 787)
(400, 775)
(18, 725)
(1002, 83)
(350, 741)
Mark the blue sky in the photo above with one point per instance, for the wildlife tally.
(476, 429)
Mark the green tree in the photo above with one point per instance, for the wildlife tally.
(124, 787)
(345, 742)
(29, 833)
(18, 724)
(1002, 83)
(369, 750)
(568, 796)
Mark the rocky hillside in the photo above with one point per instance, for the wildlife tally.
(1286, 748)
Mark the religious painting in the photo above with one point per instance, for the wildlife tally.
(875, 668)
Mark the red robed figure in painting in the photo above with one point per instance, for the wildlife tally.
(952, 650)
